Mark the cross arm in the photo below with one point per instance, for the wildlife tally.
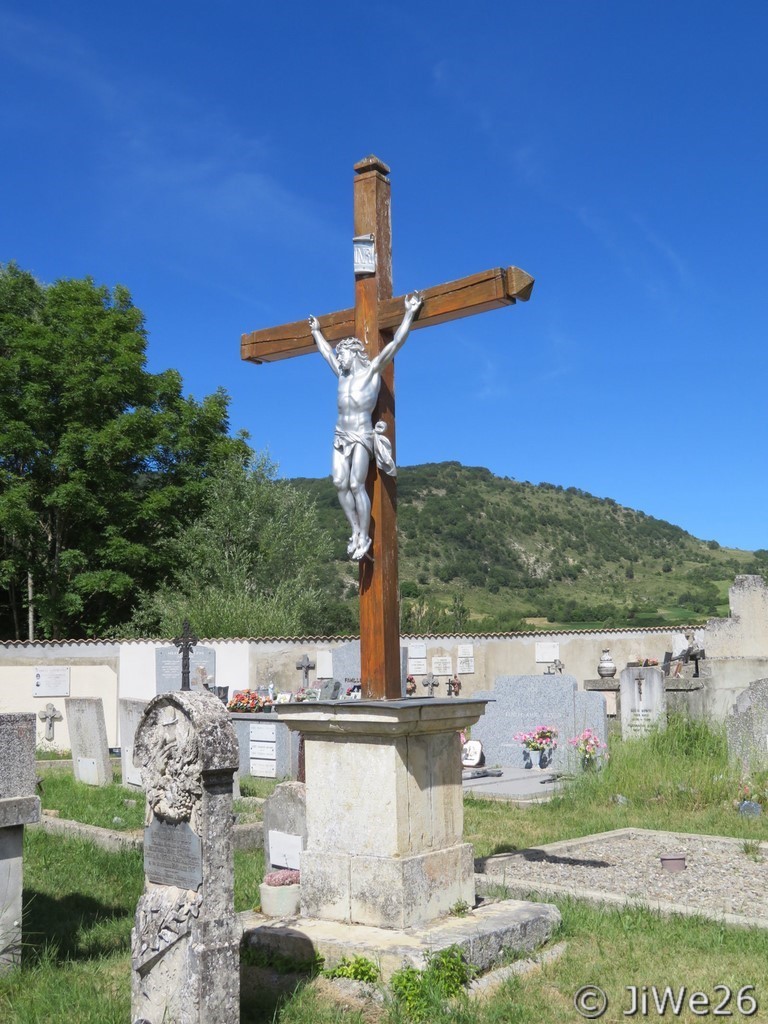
(491, 289)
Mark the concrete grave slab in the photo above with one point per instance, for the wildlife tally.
(88, 738)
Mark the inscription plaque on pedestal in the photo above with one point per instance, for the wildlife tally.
(173, 855)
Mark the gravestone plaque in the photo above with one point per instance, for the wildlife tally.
(51, 681)
(173, 854)
(442, 665)
(285, 850)
(285, 824)
(643, 700)
(202, 669)
(547, 651)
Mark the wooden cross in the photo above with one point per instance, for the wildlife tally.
(372, 319)
(186, 644)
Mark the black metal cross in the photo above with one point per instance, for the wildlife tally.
(640, 679)
(186, 644)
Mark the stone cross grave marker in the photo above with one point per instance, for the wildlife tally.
(49, 715)
(185, 942)
(376, 312)
(304, 665)
(88, 739)
(19, 806)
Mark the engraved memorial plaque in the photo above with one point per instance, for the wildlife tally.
(442, 665)
(173, 855)
(547, 651)
(51, 681)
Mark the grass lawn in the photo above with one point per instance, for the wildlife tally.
(79, 905)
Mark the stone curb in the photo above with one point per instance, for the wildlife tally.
(480, 988)
(246, 837)
(552, 890)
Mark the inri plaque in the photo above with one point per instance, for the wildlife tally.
(173, 855)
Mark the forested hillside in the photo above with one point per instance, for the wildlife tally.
(499, 554)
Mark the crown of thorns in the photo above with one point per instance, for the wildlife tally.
(353, 345)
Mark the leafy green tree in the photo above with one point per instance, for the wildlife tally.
(254, 563)
(101, 461)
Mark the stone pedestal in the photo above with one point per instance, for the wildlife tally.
(18, 807)
(185, 945)
(384, 810)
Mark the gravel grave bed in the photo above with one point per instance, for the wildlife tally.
(719, 878)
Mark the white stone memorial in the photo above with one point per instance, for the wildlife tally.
(643, 700)
(88, 738)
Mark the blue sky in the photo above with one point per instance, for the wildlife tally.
(201, 154)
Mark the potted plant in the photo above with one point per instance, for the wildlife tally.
(589, 747)
(280, 893)
(542, 740)
(249, 701)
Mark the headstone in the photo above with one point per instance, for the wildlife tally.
(202, 669)
(747, 727)
(285, 825)
(19, 806)
(521, 703)
(185, 942)
(130, 713)
(88, 740)
(346, 664)
(643, 700)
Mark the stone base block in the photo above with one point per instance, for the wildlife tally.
(387, 892)
(486, 935)
(11, 844)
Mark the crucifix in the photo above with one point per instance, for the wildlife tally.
(49, 715)
(376, 312)
(640, 679)
(305, 665)
(186, 644)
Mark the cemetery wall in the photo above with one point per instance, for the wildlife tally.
(34, 675)
(736, 654)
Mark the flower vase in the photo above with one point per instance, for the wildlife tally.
(280, 900)
(545, 759)
(606, 667)
(527, 761)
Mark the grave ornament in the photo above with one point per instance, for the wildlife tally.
(49, 715)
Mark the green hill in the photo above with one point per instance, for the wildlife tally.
(486, 553)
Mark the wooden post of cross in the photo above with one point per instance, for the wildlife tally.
(376, 313)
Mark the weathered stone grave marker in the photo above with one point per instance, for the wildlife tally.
(19, 806)
(88, 739)
(185, 941)
(747, 727)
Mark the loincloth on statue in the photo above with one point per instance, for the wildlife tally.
(373, 440)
